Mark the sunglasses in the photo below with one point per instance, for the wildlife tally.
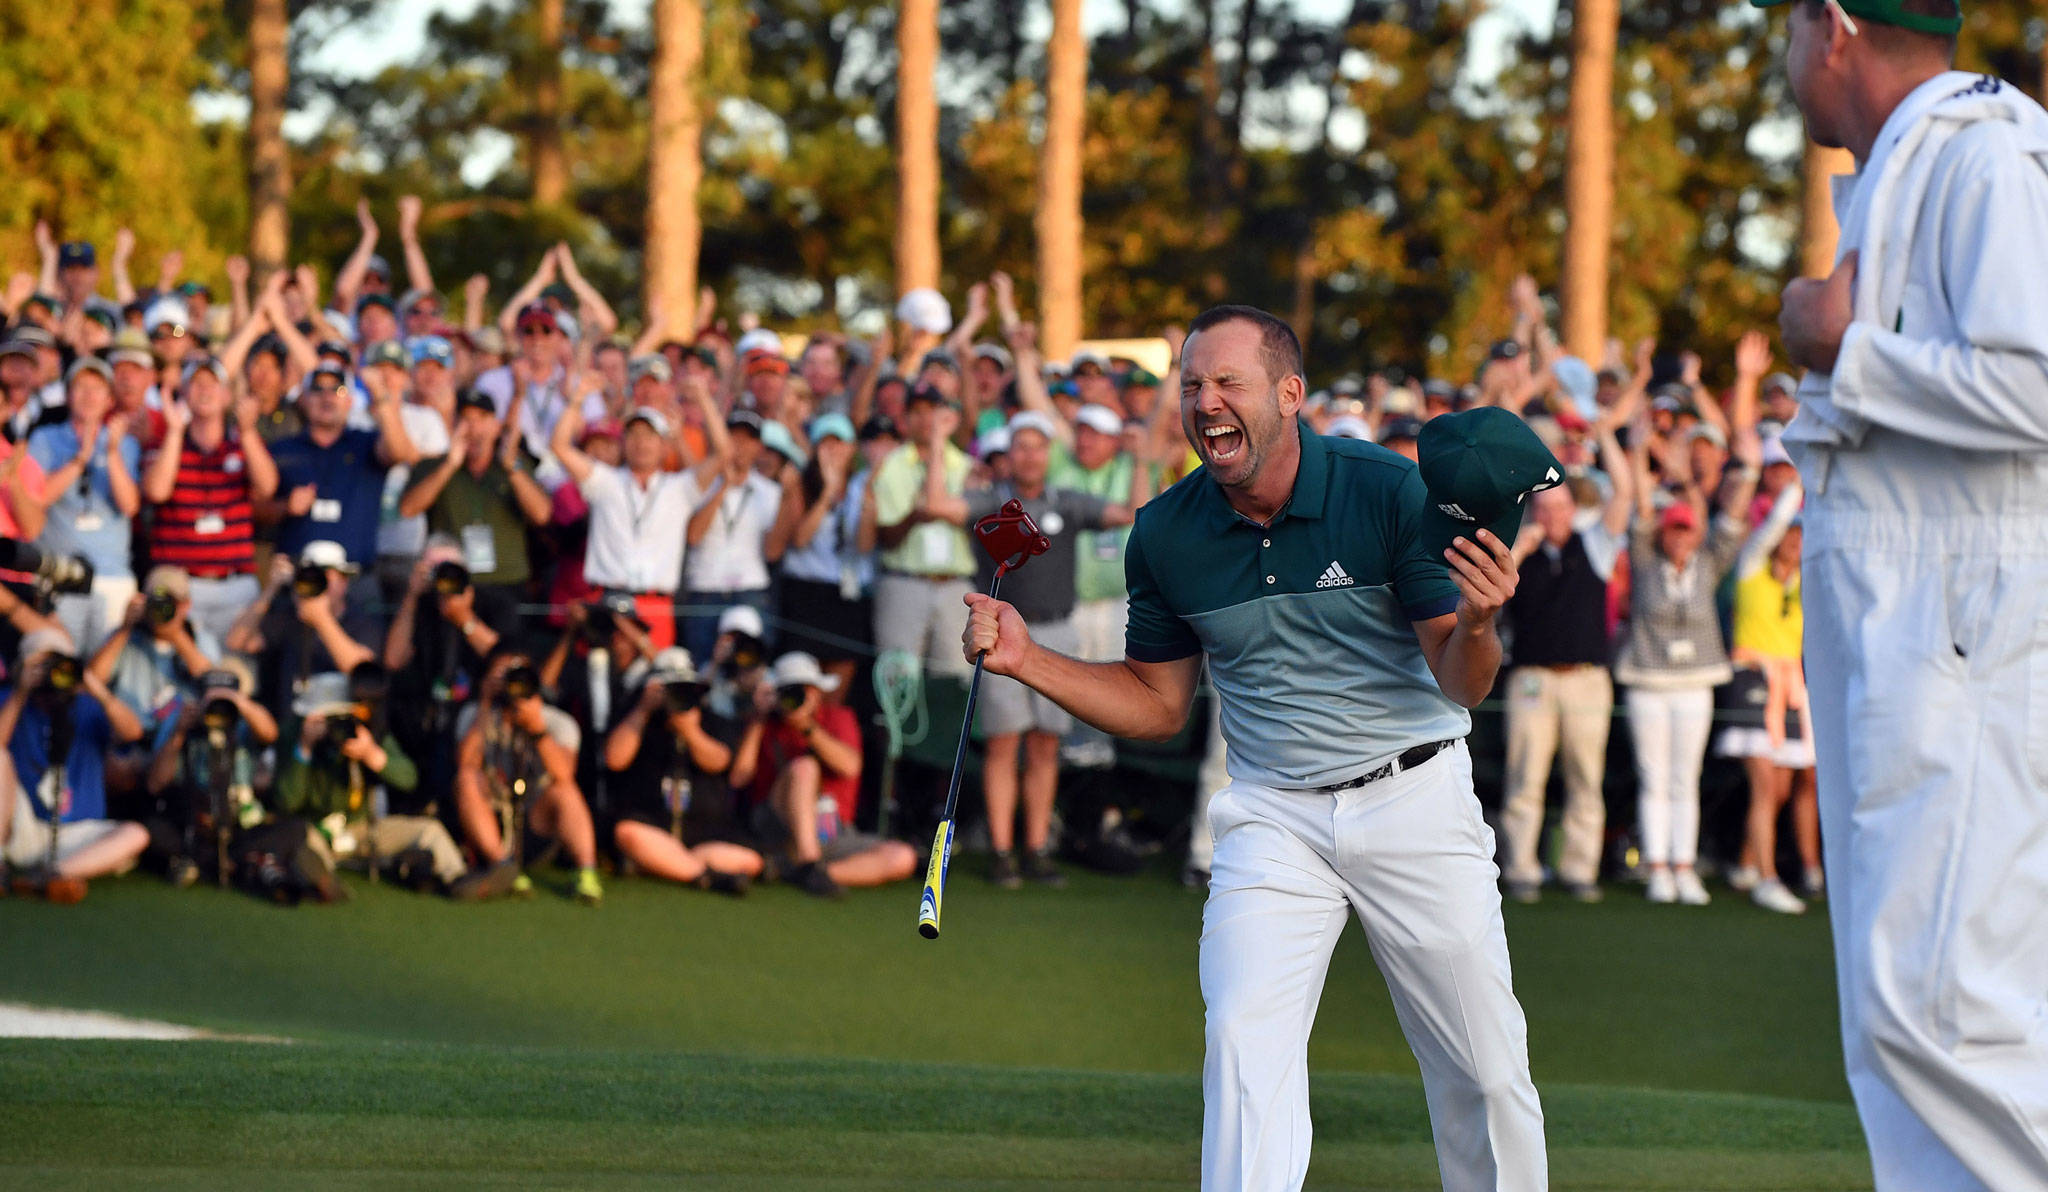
(168, 332)
(536, 331)
(327, 389)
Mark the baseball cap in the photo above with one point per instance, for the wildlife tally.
(322, 552)
(17, 346)
(925, 309)
(1349, 427)
(655, 420)
(994, 441)
(163, 311)
(1709, 432)
(763, 362)
(881, 426)
(1678, 515)
(1774, 452)
(1576, 378)
(489, 340)
(997, 353)
(1480, 466)
(652, 365)
(744, 619)
(166, 580)
(737, 420)
(475, 399)
(190, 289)
(1083, 359)
(832, 426)
(776, 437)
(1030, 420)
(369, 300)
(926, 393)
(603, 428)
(535, 316)
(672, 665)
(1402, 427)
(1141, 378)
(1782, 381)
(621, 604)
(327, 368)
(76, 252)
(378, 265)
(1100, 418)
(130, 347)
(194, 365)
(1890, 12)
(424, 348)
(323, 693)
(1504, 349)
(760, 339)
(89, 364)
(50, 639)
(798, 667)
(387, 351)
(942, 358)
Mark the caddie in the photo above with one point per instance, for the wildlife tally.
(1347, 611)
(1921, 432)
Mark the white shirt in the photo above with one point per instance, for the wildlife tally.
(637, 531)
(408, 535)
(729, 558)
(543, 407)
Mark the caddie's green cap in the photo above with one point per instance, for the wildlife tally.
(1890, 12)
(1480, 467)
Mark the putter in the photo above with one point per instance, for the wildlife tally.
(1010, 537)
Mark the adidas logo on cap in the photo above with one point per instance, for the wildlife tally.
(1335, 577)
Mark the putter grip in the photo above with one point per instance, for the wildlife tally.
(935, 882)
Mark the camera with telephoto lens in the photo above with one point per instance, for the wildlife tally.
(747, 652)
(599, 622)
(309, 580)
(340, 727)
(63, 575)
(521, 682)
(790, 697)
(161, 608)
(64, 676)
(219, 713)
(450, 578)
(681, 695)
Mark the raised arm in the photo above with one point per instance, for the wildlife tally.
(418, 275)
(1143, 701)
(46, 257)
(717, 441)
(475, 293)
(562, 442)
(239, 307)
(1031, 392)
(598, 315)
(349, 282)
(543, 277)
(124, 252)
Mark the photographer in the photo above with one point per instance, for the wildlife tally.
(515, 771)
(58, 721)
(594, 673)
(675, 813)
(300, 625)
(802, 757)
(739, 663)
(444, 628)
(339, 779)
(205, 775)
(151, 671)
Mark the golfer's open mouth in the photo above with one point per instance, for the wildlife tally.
(1222, 444)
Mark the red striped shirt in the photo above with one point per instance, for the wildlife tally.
(208, 526)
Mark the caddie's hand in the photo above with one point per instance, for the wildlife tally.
(1485, 573)
(1815, 315)
(996, 634)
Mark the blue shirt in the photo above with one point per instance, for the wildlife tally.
(84, 520)
(348, 484)
(1308, 621)
(85, 765)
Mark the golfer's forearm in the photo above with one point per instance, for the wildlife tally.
(1470, 660)
(1107, 695)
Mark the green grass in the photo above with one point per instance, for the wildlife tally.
(674, 1039)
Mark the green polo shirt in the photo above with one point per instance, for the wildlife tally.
(1099, 567)
(1307, 622)
(482, 514)
(936, 547)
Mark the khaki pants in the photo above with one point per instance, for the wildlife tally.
(392, 835)
(1552, 712)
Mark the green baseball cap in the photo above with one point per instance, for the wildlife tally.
(1890, 12)
(1480, 466)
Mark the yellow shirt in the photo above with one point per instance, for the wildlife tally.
(1768, 617)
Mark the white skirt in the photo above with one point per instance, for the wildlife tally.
(1739, 741)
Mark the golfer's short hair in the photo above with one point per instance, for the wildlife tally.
(1279, 347)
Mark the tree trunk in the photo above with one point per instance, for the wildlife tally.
(917, 146)
(1589, 178)
(1817, 229)
(1212, 164)
(675, 162)
(270, 168)
(545, 154)
(1059, 183)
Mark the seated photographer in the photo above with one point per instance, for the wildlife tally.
(515, 773)
(675, 817)
(300, 625)
(339, 778)
(151, 662)
(739, 664)
(204, 776)
(58, 720)
(802, 757)
(594, 673)
(483, 495)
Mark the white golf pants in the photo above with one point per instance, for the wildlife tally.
(1412, 857)
(1670, 731)
(1926, 589)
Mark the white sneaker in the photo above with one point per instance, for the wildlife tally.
(1744, 878)
(1773, 896)
(1690, 891)
(1662, 888)
(1816, 885)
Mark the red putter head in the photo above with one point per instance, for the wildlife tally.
(1010, 537)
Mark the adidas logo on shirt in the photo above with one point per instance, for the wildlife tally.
(1335, 577)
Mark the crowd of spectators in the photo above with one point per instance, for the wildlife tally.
(448, 596)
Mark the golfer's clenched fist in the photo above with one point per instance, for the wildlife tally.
(994, 629)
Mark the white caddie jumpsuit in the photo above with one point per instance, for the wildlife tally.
(1925, 457)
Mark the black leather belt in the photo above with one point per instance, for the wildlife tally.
(1407, 761)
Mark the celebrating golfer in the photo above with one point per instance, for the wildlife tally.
(1922, 436)
(1346, 635)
